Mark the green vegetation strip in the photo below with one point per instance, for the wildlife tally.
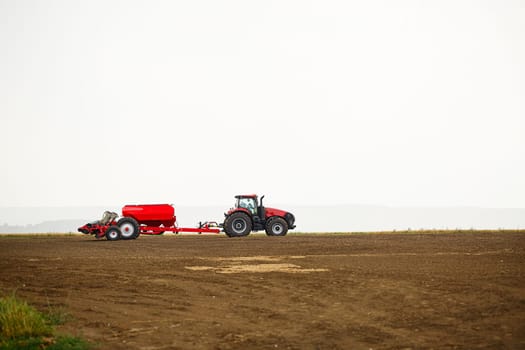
(23, 327)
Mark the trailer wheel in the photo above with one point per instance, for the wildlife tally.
(129, 228)
(238, 225)
(113, 233)
(276, 227)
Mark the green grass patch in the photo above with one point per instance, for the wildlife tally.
(23, 327)
(20, 320)
(69, 343)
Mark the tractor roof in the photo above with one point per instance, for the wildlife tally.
(246, 196)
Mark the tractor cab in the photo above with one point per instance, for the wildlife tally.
(248, 202)
(251, 204)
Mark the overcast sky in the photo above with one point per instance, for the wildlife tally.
(399, 103)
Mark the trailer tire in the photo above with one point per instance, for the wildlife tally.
(113, 233)
(129, 228)
(238, 225)
(276, 227)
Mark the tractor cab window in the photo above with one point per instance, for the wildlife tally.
(247, 203)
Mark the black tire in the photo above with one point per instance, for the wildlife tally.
(113, 233)
(238, 225)
(129, 228)
(276, 227)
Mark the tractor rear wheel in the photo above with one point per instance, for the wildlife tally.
(276, 227)
(238, 225)
(129, 228)
(113, 233)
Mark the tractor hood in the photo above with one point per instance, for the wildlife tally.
(289, 217)
(275, 212)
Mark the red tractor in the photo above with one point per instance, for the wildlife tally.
(250, 215)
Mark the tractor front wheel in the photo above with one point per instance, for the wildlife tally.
(276, 227)
(129, 228)
(238, 225)
(113, 233)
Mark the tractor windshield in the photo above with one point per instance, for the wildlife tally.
(247, 203)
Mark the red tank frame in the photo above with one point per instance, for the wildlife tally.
(155, 219)
(151, 214)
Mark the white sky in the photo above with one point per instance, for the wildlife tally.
(403, 103)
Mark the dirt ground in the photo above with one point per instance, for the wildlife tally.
(366, 291)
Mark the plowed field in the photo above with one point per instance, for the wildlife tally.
(380, 291)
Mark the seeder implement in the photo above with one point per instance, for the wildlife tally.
(146, 219)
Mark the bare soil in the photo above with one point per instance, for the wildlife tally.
(379, 291)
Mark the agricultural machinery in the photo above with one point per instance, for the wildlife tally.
(246, 216)
(250, 215)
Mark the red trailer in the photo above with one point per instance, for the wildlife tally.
(147, 219)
